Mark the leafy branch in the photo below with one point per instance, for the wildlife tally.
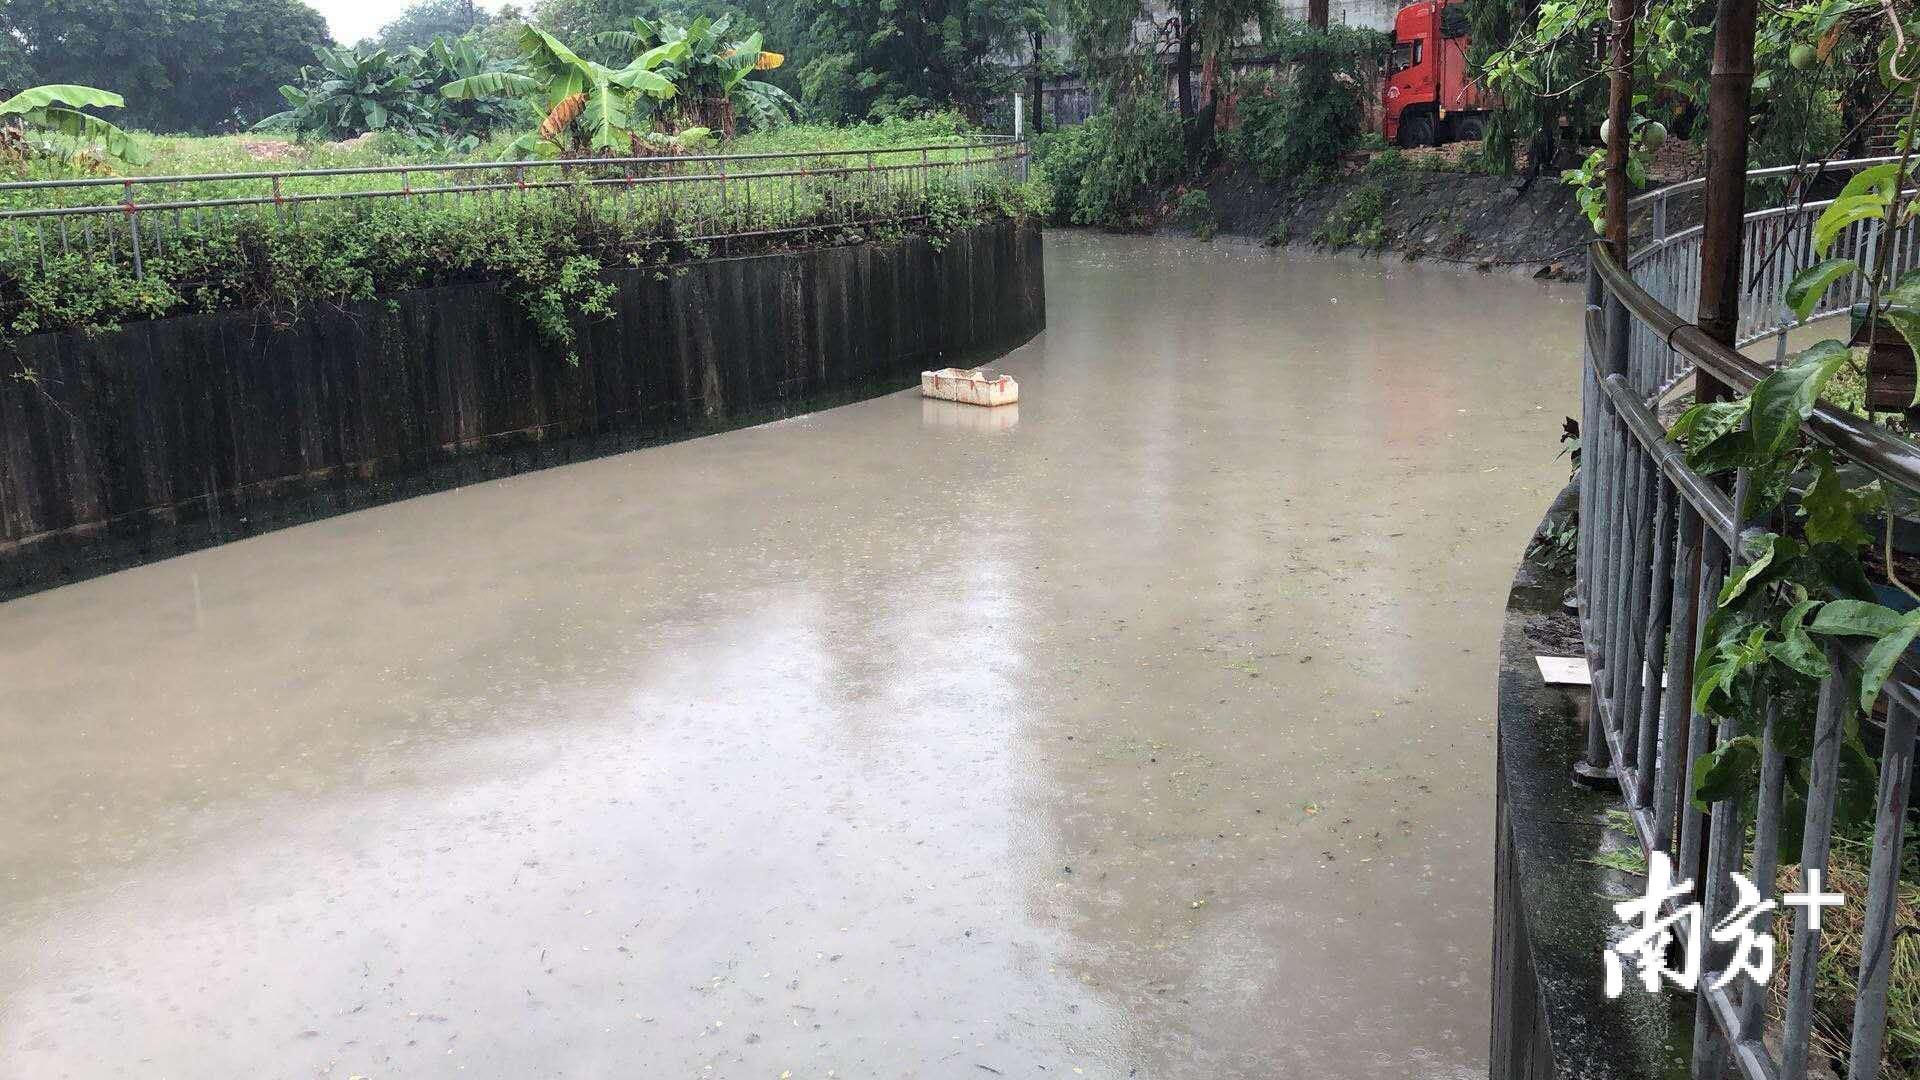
(1800, 594)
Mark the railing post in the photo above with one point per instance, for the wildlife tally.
(1598, 477)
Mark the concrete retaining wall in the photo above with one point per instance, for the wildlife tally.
(178, 433)
(1552, 917)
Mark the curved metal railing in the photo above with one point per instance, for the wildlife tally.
(1657, 540)
(1776, 244)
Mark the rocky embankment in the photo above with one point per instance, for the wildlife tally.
(1419, 205)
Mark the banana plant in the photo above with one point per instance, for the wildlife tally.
(585, 106)
(449, 60)
(711, 68)
(352, 92)
(55, 108)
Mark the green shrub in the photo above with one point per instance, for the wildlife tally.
(1295, 129)
(1278, 233)
(1194, 212)
(1388, 162)
(1098, 169)
(1356, 221)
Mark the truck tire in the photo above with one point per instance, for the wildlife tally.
(1416, 130)
(1470, 128)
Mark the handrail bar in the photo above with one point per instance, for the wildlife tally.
(463, 189)
(1684, 186)
(1871, 446)
(972, 141)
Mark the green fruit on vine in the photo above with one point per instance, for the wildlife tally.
(1653, 134)
(1801, 57)
(1606, 132)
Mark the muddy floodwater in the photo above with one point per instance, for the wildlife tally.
(1144, 731)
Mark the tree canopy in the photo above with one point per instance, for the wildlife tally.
(181, 65)
(879, 58)
(422, 21)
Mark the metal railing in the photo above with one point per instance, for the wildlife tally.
(697, 197)
(1776, 244)
(1656, 542)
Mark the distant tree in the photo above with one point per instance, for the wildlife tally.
(1038, 21)
(901, 59)
(578, 20)
(499, 36)
(182, 65)
(1197, 37)
(422, 21)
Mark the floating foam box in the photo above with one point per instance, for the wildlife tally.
(969, 387)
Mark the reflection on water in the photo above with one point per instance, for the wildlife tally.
(935, 413)
(765, 752)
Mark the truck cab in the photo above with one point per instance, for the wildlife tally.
(1429, 98)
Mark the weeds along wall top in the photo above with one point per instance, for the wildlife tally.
(101, 251)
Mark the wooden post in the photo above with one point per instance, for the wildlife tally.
(1620, 14)
(1726, 189)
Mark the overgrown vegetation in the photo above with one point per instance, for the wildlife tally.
(1814, 64)
(1356, 221)
(1194, 213)
(1293, 129)
(1098, 170)
(549, 248)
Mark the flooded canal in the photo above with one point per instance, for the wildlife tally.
(1144, 732)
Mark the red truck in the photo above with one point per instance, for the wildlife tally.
(1429, 97)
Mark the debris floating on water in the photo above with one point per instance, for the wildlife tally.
(975, 387)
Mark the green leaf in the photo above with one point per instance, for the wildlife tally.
(1703, 423)
(489, 84)
(1783, 400)
(1715, 681)
(1833, 510)
(69, 95)
(1856, 618)
(1881, 658)
(71, 122)
(1759, 551)
(1878, 180)
(1731, 770)
(1842, 214)
(635, 77)
(1767, 485)
(1796, 648)
(1809, 285)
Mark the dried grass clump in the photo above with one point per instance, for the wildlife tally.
(1836, 983)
